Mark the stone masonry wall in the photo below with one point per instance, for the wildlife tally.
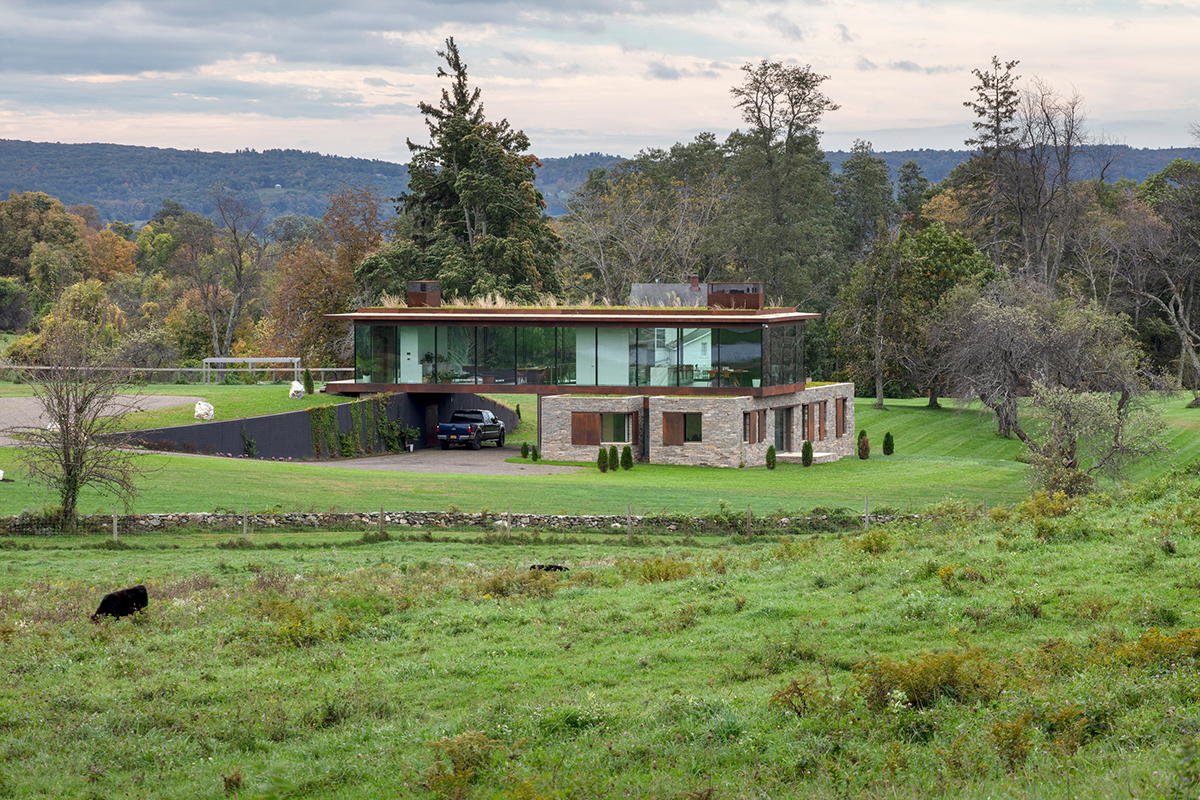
(554, 427)
(721, 442)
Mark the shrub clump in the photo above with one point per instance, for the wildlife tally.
(535, 455)
(864, 446)
(806, 454)
(922, 680)
(518, 583)
(889, 444)
(771, 457)
(655, 570)
(602, 460)
(524, 449)
(627, 457)
(614, 459)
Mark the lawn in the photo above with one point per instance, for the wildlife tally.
(940, 454)
(1046, 652)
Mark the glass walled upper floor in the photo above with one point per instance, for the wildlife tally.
(575, 356)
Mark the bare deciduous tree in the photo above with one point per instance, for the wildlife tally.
(80, 391)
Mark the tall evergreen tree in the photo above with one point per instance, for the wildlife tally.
(477, 223)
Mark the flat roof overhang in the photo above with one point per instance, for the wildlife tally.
(580, 317)
(350, 387)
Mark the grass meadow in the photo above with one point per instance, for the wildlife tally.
(1044, 650)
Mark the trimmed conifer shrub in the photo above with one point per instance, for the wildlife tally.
(535, 455)
(771, 457)
(806, 454)
(614, 458)
(602, 460)
(627, 457)
(524, 449)
(862, 434)
(864, 448)
(889, 444)
(307, 380)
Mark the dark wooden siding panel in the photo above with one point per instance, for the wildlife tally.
(672, 427)
(585, 427)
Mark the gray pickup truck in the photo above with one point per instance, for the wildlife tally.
(472, 427)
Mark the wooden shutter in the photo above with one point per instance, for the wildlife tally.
(672, 427)
(635, 432)
(810, 413)
(839, 408)
(824, 407)
(585, 427)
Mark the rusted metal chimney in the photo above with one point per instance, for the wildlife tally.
(424, 294)
(695, 282)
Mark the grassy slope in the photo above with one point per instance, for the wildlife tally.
(940, 454)
(324, 668)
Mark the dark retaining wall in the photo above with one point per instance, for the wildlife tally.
(289, 435)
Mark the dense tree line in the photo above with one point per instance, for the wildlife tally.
(1028, 278)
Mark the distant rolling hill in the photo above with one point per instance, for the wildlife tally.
(130, 183)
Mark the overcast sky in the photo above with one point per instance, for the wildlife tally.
(343, 77)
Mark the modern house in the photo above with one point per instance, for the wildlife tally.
(709, 376)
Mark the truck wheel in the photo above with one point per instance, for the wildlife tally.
(477, 442)
(445, 445)
(500, 441)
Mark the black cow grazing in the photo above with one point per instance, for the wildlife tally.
(550, 567)
(122, 603)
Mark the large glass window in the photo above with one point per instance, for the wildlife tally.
(455, 354)
(375, 354)
(564, 362)
(784, 347)
(613, 348)
(535, 355)
(496, 355)
(697, 359)
(658, 356)
(364, 367)
(614, 427)
(585, 356)
(740, 356)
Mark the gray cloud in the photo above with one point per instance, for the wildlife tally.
(660, 71)
(380, 82)
(785, 27)
(909, 66)
(865, 64)
(847, 36)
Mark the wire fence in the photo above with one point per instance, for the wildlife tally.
(188, 375)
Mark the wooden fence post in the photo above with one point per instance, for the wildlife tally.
(867, 513)
(246, 524)
(381, 521)
(629, 521)
(114, 525)
(749, 517)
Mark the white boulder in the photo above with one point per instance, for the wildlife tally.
(204, 410)
(297, 390)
